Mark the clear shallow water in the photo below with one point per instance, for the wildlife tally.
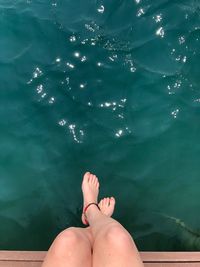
(110, 87)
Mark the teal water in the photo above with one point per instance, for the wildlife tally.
(112, 87)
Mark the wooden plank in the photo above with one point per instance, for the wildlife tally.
(191, 264)
(146, 256)
(21, 258)
(170, 256)
(20, 264)
(22, 255)
(38, 264)
(150, 259)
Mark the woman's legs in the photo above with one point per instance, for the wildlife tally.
(113, 245)
(71, 248)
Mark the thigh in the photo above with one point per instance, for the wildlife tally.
(114, 247)
(71, 248)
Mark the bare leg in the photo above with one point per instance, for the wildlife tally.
(71, 248)
(113, 245)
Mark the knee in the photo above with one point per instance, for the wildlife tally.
(66, 240)
(68, 236)
(117, 236)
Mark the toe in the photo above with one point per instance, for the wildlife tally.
(86, 177)
(90, 178)
(96, 182)
(112, 201)
(101, 203)
(94, 179)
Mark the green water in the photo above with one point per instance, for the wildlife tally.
(112, 87)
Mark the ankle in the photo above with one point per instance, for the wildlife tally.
(90, 204)
(92, 210)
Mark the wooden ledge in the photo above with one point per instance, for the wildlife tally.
(170, 256)
(150, 259)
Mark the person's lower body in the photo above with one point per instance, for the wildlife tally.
(105, 243)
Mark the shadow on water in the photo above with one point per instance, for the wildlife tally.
(44, 226)
(189, 238)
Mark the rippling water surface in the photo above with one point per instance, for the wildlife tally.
(107, 86)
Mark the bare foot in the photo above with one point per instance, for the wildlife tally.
(107, 206)
(90, 188)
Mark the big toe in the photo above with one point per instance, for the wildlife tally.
(86, 177)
